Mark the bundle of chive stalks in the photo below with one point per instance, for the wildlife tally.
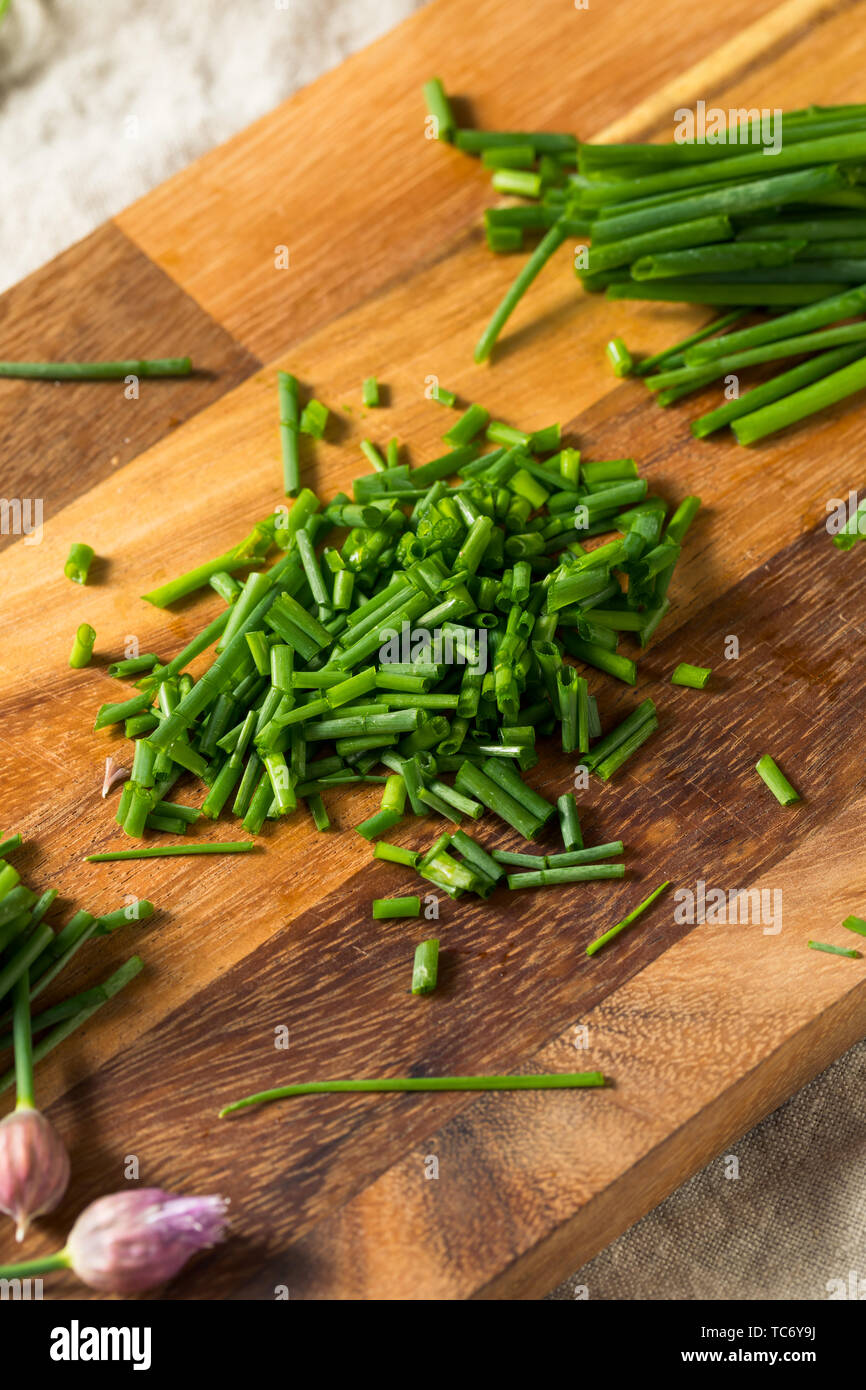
(487, 581)
(719, 224)
(33, 951)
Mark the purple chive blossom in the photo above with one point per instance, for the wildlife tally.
(34, 1167)
(114, 773)
(133, 1241)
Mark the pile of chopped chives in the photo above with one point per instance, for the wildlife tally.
(426, 646)
(30, 947)
(704, 223)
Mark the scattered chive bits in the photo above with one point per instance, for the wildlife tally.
(772, 775)
(701, 223)
(834, 950)
(78, 563)
(82, 646)
(422, 650)
(533, 1081)
(696, 677)
(425, 969)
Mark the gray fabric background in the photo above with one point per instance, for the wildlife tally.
(100, 101)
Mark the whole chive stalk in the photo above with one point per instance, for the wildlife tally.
(425, 968)
(532, 1082)
(79, 560)
(601, 941)
(771, 774)
(549, 243)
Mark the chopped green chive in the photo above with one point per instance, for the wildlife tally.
(384, 908)
(532, 1082)
(601, 941)
(425, 968)
(619, 357)
(856, 924)
(370, 392)
(834, 950)
(98, 371)
(167, 851)
(287, 395)
(694, 676)
(78, 562)
(82, 647)
(776, 780)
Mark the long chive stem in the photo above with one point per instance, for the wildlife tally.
(531, 1082)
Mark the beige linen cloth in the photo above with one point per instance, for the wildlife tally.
(98, 103)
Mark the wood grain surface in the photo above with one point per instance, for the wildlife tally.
(703, 1029)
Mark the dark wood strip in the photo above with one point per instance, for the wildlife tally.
(103, 298)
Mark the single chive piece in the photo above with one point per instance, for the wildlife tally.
(439, 109)
(503, 240)
(549, 243)
(834, 950)
(517, 156)
(775, 779)
(78, 562)
(378, 824)
(569, 822)
(225, 585)
(287, 395)
(395, 854)
(384, 908)
(82, 647)
(619, 357)
(426, 965)
(11, 842)
(601, 941)
(520, 861)
(318, 810)
(471, 422)
(314, 419)
(372, 455)
(370, 392)
(533, 1081)
(98, 371)
(694, 676)
(133, 665)
(591, 855)
(166, 851)
(443, 396)
(856, 924)
(581, 873)
(520, 183)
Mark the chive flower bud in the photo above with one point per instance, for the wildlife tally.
(34, 1167)
(133, 1241)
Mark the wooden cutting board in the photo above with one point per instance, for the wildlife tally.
(703, 1030)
